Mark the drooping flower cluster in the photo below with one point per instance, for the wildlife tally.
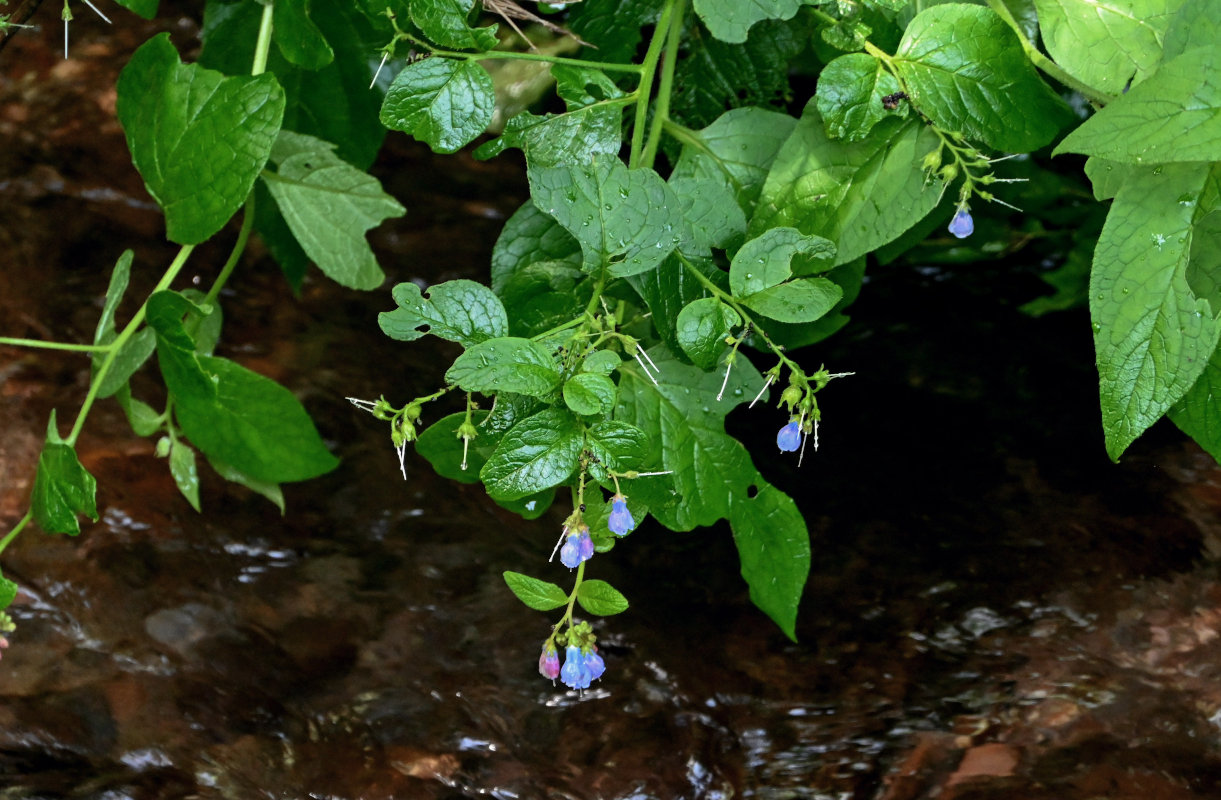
(578, 547)
(581, 667)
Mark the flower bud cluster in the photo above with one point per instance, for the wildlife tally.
(582, 662)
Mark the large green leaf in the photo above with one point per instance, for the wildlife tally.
(1105, 45)
(613, 26)
(965, 69)
(328, 205)
(199, 139)
(537, 453)
(730, 20)
(766, 260)
(627, 221)
(231, 413)
(62, 487)
(742, 145)
(860, 195)
(600, 598)
(443, 102)
(710, 208)
(461, 311)
(530, 236)
(713, 75)
(799, 301)
(506, 364)
(774, 548)
(1153, 335)
(1173, 116)
(135, 351)
(1197, 24)
(685, 429)
(850, 93)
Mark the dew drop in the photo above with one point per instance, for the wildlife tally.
(737, 392)
(750, 275)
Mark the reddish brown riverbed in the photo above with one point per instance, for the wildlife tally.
(995, 610)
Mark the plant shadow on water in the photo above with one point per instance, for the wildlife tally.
(994, 611)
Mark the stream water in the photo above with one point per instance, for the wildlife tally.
(994, 611)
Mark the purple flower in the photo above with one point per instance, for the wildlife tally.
(789, 438)
(620, 520)
(595, 665)
(575, 674)
(549, 663)
(962, 225)
(585, 543)
(570, 554)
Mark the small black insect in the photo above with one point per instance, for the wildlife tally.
(891, 101)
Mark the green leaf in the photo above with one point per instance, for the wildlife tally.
(1105, 44)
(329, 204)
(729, 20)
(602, 362)
(8, 592)
(443, 102)
(684, 426)
(444, 21)
(774, 548)
(539, 595)
(742, 144)
(965, 69)
(701, 330)
(143, 8)
(537, 453)
(1198, 413)
(860, 195)
(544, 295)
(803, 300)
(600, 598)
(143, 419)
(1107, 176)
(850, 92)
(334, 103)
(848, 278)
(592, 126)
(530, 236)
(299, 39)
(62, 487)
(186, 476)
(1197, 24)
(441, 446)
(766, 260)
(506, 364)
(613, 26)
(627, 221)
(1153, 335)
(461, 311)
(532, 506)
(270, 491)
(231, 413)
(135, 351)
(199, 139)
(714, 75)
(588, 393)
(711, 211)
(617, 446)
(1173, 116)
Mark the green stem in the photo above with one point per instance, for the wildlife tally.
(665, 87)
(175, 267)
(235, 255)
(1043, 62)
(29, 515)
(39, 344)
(644, 91)
(263, 46)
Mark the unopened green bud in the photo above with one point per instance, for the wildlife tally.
(949, 172)
(412, 412)
(163, 447)
(467, 431)
(790, 397)
(932, 161)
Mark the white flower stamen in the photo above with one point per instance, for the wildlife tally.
(770, 380)
(99, 13)
(385, 56)
(724, 383)
(644, 367)
(363, 405)
(556, 549)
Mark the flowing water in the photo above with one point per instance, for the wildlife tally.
(994, 609)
